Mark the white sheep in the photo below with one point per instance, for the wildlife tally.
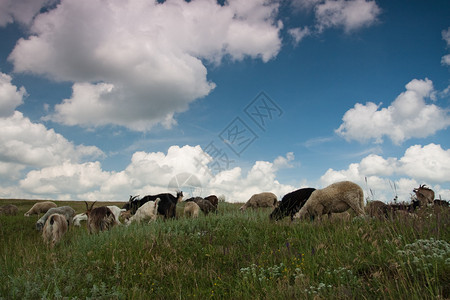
(335, 198)
(67, 211)
(40, 208)
(148, 210)
(78, 218)
(191, 209)
(54, 229)
(116, 211)
(265, 199)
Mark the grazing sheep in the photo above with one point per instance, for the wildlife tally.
(147, 211)
(335, 198)
(67, 211)
(213, 199)
(40, 208)
(291, 203)
(125, 215)
(378, 209)
(99, 219)
(424, 194)
(205, 205)
(116, 211)
(9, 210)
(55, 227)
(265, 199)
(191, 209)
(78, 218)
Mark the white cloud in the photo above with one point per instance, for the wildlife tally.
(299, 34)
(29, 144)
(428, 164)
(152, 173)
(22, 11)
(10, 96)
(349, 14)
(446, 37)
(136, 63)
(407, 117)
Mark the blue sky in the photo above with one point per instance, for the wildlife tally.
(103, 99)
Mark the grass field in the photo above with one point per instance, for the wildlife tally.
(231, 255)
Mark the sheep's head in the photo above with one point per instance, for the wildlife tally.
(277, 214)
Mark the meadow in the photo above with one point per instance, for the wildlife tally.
(229, 255)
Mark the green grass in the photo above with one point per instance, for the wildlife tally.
(231, 255)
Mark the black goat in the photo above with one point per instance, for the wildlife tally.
(291, 203)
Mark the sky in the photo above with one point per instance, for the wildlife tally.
(103, 99)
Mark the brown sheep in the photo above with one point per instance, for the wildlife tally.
(9, 210)
(54, 229)
(40, 208)
(335, 198)
(378, 209)
(213, 199)
(191, 209)
(265, 199)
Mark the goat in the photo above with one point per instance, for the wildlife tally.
(67, 211)
(291, 203)
(213, 199)
(99, 219)
(40, 208)
(54, 229)
(9, 210)
(78, 218)
(265, 199)
(147, 211)
(166, 206)
(116, 211)
(335, 198)
(424, 194)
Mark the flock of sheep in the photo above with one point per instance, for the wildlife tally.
(306, 203)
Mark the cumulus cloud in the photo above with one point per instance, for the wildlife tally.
(138, 63)
(22, 11)
(25, 143)
(446, 37)
(152, 173)
(10, 96)
(349, 14)
(408, 116)
(420, 164)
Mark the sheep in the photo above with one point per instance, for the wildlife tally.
(205, 205)
(378, 209)
(67, 211)
(147, 211)
(40, 207)
(78, 218)
(9, 210)
(265, 199)
(99, 219)
(191, 209)
(126, 215)
(335, 198)
(424, 194)
(116, 211)
(55, 227)
(291, 203)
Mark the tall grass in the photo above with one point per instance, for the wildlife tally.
(231, 255)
